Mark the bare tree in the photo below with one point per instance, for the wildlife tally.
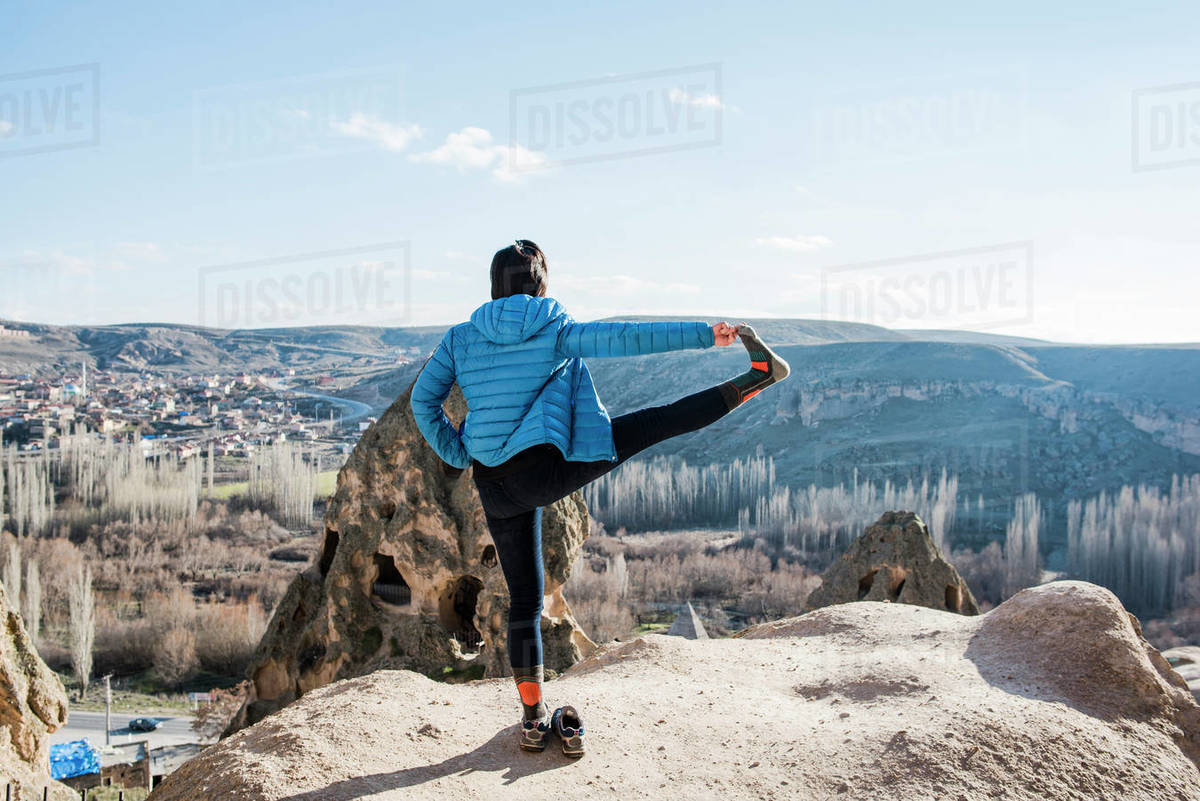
(285, 476)
(1141, 542)
(1021, 558)
(666, 493)
(82, 605)
(175, 660)
(33, 600)
(12, 574)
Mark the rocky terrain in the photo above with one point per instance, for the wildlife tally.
(1052, 695)
(33, 704)
(407, 577)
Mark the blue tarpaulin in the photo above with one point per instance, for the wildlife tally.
(76, 758)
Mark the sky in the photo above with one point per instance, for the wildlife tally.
(1029, 170)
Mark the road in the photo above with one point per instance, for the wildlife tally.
(351, 410)
(174, 730)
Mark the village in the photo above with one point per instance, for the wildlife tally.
(229, 415)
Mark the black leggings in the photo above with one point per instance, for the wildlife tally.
(514, 492)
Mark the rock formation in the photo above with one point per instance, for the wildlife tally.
(688, 624)
(33, 704)
(407, 577)
(895, 560)
(1053, 695)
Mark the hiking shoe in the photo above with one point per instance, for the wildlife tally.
(534, 733)
(568, 725)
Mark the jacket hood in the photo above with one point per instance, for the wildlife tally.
(515, 318)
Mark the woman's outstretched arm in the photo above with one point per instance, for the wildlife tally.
(602, 339)
(428, 394)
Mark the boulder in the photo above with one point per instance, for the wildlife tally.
(33, 704)
(895, 560)
(407, 577)
(1053, 695)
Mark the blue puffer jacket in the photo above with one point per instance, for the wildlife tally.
(519, 363)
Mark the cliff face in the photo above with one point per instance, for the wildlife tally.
(1053, 695)
(408, 577)
(33, 704)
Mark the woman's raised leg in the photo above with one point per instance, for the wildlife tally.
(636, 431)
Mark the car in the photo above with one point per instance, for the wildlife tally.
(143, 724)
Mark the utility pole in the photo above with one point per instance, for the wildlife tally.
(107, 709)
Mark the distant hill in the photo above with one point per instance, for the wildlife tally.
(185, 349)
(1005, 414)
(1063, 422)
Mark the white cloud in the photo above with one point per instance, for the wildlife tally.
(118, 257)
(58, 262)
(389, 136)
(801, 244)
(472, 149)
(711, 101)
(140, 250)
(437, 275)
(626, 285)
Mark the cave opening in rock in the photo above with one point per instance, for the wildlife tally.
(308, 657)
(897, 576)
(864, 584)
(389, 585)
(458, 611)
(328, 549)
(953, 598)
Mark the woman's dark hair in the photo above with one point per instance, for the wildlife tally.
(519, 269)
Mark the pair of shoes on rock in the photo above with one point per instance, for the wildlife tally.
(564, 721)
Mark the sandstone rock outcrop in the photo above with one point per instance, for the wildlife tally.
(1053, 695)
(896, 560)
(407, 577)
(33, 704)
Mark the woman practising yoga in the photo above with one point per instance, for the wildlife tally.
(535, 431)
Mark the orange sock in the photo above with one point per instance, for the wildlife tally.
(529, 687)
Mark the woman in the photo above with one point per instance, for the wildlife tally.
(535, 431)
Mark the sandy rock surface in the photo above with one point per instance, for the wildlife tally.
(1052, 695)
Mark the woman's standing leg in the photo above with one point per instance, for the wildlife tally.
(518, 541)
